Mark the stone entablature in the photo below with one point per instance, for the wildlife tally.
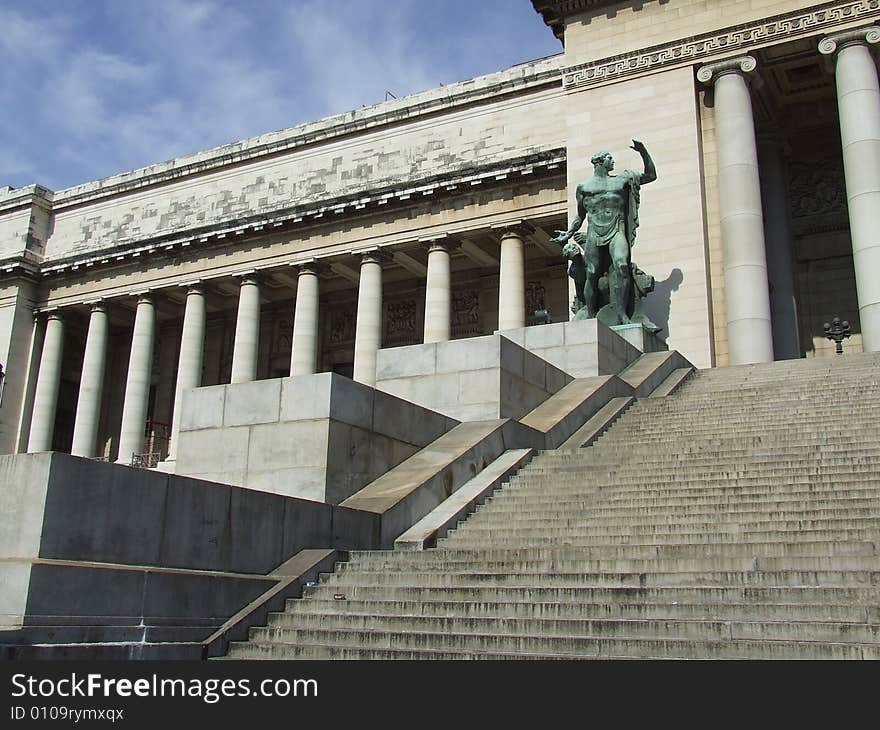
(525, 167)
(720, 43)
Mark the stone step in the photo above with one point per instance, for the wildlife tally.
(818, 458)
(768, 476)
(311, 652)
(855, 595)
(734, 450)
(599, 504)
(689, 490)
(673, 524)
(825, 393)
(701, 629)
(538, 507)
(624, 552)
(464, 539)
(704, 467)
(571, 645)
(776, 486)
(840, 613)
(794, 387)
(782, 437)
(617, 565)
(780, 433)
(486, 578)
(635, 525)
(687, 479)
(798, 412)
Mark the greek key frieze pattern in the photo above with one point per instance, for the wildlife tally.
(706, 46)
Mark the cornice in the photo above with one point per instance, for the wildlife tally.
(555, 12)
(26, 264)
(541, 163)
(12, 199)
(728, 41)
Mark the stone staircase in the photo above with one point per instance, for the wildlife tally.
(738, 518)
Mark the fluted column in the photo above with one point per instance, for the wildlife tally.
(192, 352)
(48, 384)
(438, 292)
(746, 291)
(304, 342)
(777, 234)
(512, 280)
(137, 383)
(247, 331)
(368, 332)
(91, 384)
(858, 103)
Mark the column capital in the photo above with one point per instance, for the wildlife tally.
(144, 297)
(373, 255)
(307, 266)
(440, 242)
(251, 276)
(48, 313)
(740, 65)
(96, 305)
(831, 44)
(519, 228)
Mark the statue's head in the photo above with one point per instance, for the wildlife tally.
(603, 159)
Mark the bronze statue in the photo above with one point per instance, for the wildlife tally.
(607, 283)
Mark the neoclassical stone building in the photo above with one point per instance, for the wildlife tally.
(430, 217)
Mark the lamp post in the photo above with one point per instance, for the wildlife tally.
(837, 331)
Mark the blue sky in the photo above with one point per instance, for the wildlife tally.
(91, 88)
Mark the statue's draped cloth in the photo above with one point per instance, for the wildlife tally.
(600, 233)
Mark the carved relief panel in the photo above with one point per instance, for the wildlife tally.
(818, 196)
(401, 323)
(466, 313)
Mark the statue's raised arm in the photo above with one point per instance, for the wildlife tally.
(650, 174)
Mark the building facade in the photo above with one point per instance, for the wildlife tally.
(429, 218)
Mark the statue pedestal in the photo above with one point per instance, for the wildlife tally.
(640, 337)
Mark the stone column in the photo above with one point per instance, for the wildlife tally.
(438, 292)
(48, 384)
(304, 342)
(247, 331)
(777, 234)
(746, 291)
(26, 413)
(91, 384)
(192, 352)
(858, 103)
(512, 280)
(137, 384)
(368, 332)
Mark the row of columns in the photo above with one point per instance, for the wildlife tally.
(304, 350)
(747, 295)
